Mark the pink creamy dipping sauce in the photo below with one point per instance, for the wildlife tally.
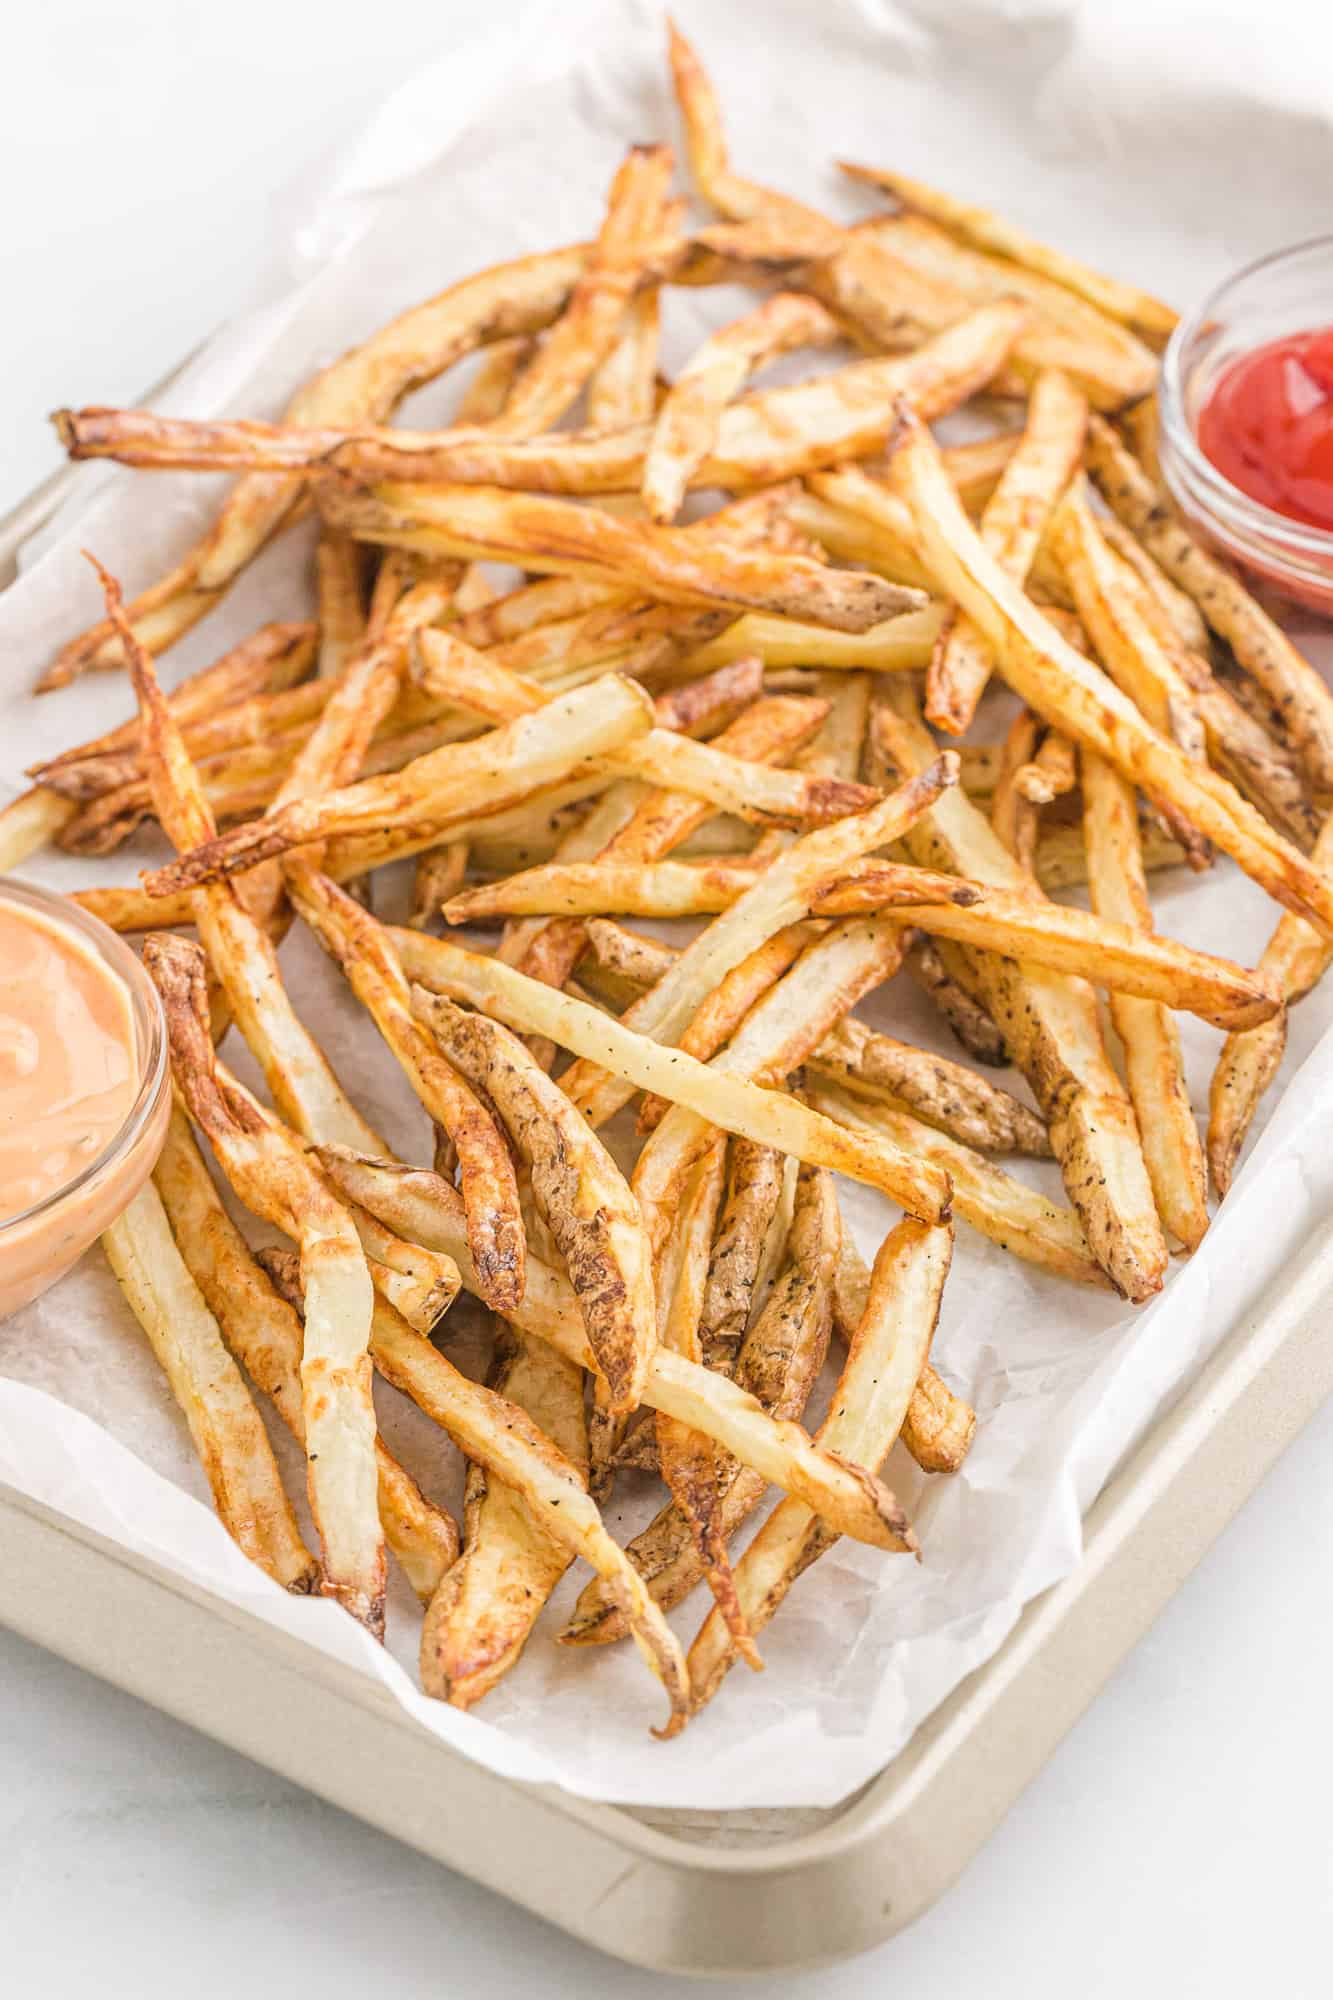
(84, 1085)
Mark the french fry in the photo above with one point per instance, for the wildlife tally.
(585, 332)
(775, 901)
(623, 389)
(731, 780)
(753, 1191)
(486, 523)
(1261, 647)
(778, 1364)
(686, 426)
(1294, 961)
(997, 1205)
(486, 1173)
(1146, 316)
(727, 1101)
(434, 793)
(963, 1008)
(940, 1424)
(940, 1092)
(438, 875)
(1073, 696)
(1153, 1069)
(580, 1192)
(499, 1435)
(420, 1205)
(1013, 814)
(666, 889)
(517, 297)
(225, 1427)
(899, 645)
(1011, 527)
(264, 1334)
(339, 589)
(30, 822)
(760, 439)
(272, 1176)
(484, 1609)
(1050, 1024)
(1175, 688)
(889, 1349)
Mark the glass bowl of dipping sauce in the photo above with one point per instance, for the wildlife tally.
(85, 1085)
(1246, 435)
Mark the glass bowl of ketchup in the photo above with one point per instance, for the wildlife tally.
(85, 1085)
(1246, 436)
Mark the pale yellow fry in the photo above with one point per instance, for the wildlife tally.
(226, 1428)
(888, 1352)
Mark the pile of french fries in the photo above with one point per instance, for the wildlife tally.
(740, 716)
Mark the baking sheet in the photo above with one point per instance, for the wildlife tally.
(1128, 154)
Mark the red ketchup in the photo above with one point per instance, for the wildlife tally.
(1268, 426)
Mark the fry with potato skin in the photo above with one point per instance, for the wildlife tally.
(686, 425)
(368, 382)
(1050, 1024)
(1011, 527)
(486, 1172)
(963, 1008)
(727, 1101)
(580, 1192)
(778, 1363)
(264, 1333)
(753, 1190)
(272, 1176)
(1070, 693)
(940, 1424)
(623, 389)
(436, 790)
(429, 1210)
(1146, 316)
(1262, 648)
(1294, 960)
(1153, 1069)
(887, 1354)
(678, 889)
(616, 265)
(225, 1427)
(485, 523)
(484, 1610)
(779, 899)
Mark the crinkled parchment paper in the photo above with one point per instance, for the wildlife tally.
(1165, 151)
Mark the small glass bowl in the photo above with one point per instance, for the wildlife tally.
(1289, 291)
(39, 1244)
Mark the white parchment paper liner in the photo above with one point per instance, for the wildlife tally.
(1149, 146)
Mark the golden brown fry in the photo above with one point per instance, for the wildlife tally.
(623, 389)
(439, 874)
(964, 1010)
(1013, 815)
(433, 794)
(30, 822)
(940, 1424)
(1011, 527)
(478, 522)
(1261, 647)
(340, 591)
(1006, 1210)
(940, 1092)
(418, 1204)
(1294, 961)
(686, 426)
(273, 1177)
(486, 1606)
(1187, 621)
(753, 1191)
(777, 899)
(670, 889)
(727, 1101)
(998, 237)
(1050, 1024)
(584, 334)
(760, 439)
(887, 1354)
(264, 1333)
(368, 382)
(1153, 1070)
(579, 1190)
(778, 1363)
(362, 948)
(226, 1428)
(1075, 697)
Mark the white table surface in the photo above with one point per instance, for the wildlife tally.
(1178, 1843)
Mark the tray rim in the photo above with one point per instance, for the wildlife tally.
(669, 1902)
